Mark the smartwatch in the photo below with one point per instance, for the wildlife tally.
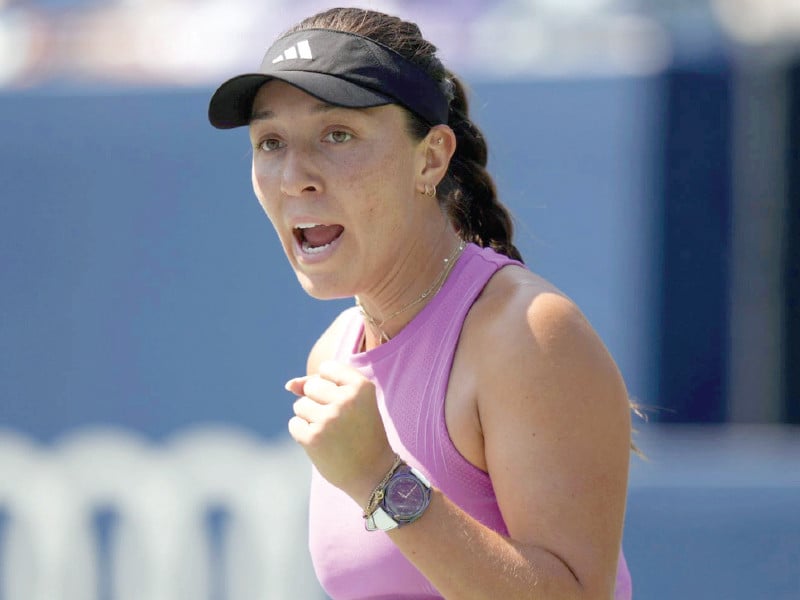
(406, 495)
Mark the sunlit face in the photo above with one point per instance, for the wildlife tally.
(339, 186)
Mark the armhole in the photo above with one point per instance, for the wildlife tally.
(475, 470)
(329, 344)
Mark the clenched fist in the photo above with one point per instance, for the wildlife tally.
(338, 424)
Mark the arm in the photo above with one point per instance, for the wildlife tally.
(554, 421)
(556, 431)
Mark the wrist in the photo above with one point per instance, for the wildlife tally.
(376, 496)
(361, 490)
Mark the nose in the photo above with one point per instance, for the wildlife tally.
(299, 174)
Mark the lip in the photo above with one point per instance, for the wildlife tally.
(307, 221)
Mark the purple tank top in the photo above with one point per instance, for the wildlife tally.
(411, 373)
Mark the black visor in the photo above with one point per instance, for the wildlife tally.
(340, 68)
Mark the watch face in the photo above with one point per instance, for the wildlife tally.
(405, 497)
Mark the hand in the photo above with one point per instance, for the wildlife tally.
(339, 426)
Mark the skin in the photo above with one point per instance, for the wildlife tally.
(545, 413)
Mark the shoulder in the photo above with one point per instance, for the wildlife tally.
(520, 307)
(326, 346)
(529, 343)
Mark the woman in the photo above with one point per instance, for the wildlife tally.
(469, 432)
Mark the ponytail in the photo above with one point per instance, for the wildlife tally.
(468, 192)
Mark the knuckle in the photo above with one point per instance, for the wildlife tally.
(310, 385)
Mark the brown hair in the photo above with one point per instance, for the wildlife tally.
(467, 192)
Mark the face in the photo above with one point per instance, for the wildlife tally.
(339, 186)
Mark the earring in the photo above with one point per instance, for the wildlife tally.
(430, 190)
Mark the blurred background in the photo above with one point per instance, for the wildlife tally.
(649, 149)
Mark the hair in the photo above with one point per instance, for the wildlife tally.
(467, 193)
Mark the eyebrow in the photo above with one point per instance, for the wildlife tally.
(321, 107)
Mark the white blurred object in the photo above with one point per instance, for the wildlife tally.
(162, 495)
(48, 548)
(158, 548)
(265, 554)
(21, 44)
(201, 42)
(519, 39)
(572, 8)
(760, 21)
(161, 551)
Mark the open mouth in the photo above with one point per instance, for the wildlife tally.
(315, 238)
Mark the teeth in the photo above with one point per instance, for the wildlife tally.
(314, 249)
(306, 225)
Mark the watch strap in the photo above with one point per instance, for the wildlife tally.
(380, 520)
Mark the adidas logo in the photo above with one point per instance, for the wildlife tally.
(298, 50)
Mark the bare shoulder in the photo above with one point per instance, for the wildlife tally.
(522, 323)
(325, 346)
(515, 292)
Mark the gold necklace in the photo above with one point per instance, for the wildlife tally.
(432, 290)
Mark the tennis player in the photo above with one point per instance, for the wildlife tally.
(469, 432)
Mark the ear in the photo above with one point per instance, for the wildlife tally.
(437, 149)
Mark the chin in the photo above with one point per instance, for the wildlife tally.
(320, 292)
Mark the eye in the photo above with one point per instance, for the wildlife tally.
(338, 137)
(270, 144)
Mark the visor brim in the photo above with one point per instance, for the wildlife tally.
(232, 104)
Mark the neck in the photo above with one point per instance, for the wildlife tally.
(381, 326)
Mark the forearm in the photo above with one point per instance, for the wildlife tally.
(464, 559)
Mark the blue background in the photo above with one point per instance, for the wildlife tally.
(143, 286)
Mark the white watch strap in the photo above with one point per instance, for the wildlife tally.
(380, 520)
(421, 477)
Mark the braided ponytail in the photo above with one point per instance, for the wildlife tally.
(467, 193)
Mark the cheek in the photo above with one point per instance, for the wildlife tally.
(257, 179)
(262, 190)
(384, 179)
